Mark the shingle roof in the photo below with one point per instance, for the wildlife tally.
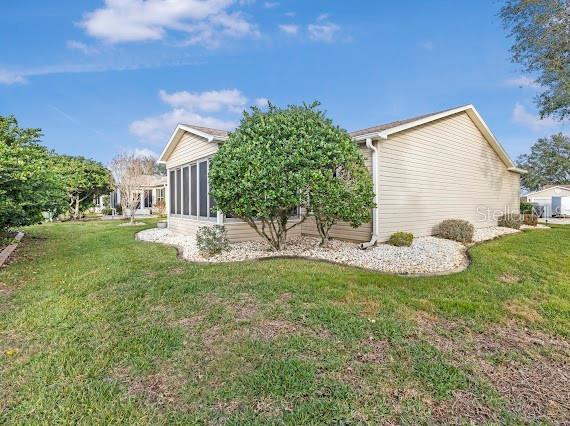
(552, 185)
(209, 130)
(381, 127)
(153, 180)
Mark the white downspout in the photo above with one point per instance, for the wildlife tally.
(374, 239)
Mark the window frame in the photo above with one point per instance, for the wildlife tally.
(179, 168)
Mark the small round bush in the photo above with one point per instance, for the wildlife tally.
(211, 240)
(401, 239)
(511, 220)
(526, 208)
(106, 211)
(456, 230)
(530, 219)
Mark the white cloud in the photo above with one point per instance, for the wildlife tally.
(323, 29)
(191, 108)
(522, 81)
(210, 101)
(157, 129)
(8, 77)
(270, 4)
(290, 14)
(261, 102)
(82, 47)
(205, 21)
(290, 29)
(523, 117)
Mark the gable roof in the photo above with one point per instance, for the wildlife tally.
(383, 131)
(547, 187)
(211, 135)
(386, 126)
(153, 180)
(209, 130)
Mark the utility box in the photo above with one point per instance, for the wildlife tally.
(561, 206)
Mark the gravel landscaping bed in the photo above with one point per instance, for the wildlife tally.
(539, 226)
(484, 234)
(426, 255)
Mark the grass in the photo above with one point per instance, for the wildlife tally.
(96, 327)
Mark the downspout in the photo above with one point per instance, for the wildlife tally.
(374, 239)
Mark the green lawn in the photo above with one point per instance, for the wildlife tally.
(97, 327)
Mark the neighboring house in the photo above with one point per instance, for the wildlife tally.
(425, 169)
(98, 204)
(151, 192)
(544, 196)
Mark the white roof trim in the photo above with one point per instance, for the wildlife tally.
(546, 189)
(180, 129)
(473, 114)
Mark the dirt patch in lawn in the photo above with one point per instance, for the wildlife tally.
(374, 351)
(463, 405)
(161, 388)
(4, 289)
(529, 369)
(510, 278)
(176, 271)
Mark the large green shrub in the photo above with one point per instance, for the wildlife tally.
(456, 230)
(401, 239)
(211, 240)
(282, 159)
(29, 182)
(511, 220)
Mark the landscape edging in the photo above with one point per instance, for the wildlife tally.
(5, 254)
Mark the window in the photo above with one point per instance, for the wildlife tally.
(172, 189)
(159, 195)
(185, 191)
(189, 191)
(203, 188)
(178, 191)
(193, 190)
(147, 198)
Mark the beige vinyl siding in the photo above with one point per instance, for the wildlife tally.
(185, 226)
(442, 170)
(190, 148)
(343, 230)
(241, 231)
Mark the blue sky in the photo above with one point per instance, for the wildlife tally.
(100, 77)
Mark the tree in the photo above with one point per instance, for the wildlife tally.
(267, 167)
(547, 163)
(541, 32)
(29, 183)
(84, 179)
(129, 171)
(342, 192)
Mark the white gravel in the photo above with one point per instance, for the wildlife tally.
(484, 234)
(426, 255)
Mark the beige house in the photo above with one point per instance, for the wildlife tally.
(425, 169)
(151, 193)
(544, 196)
